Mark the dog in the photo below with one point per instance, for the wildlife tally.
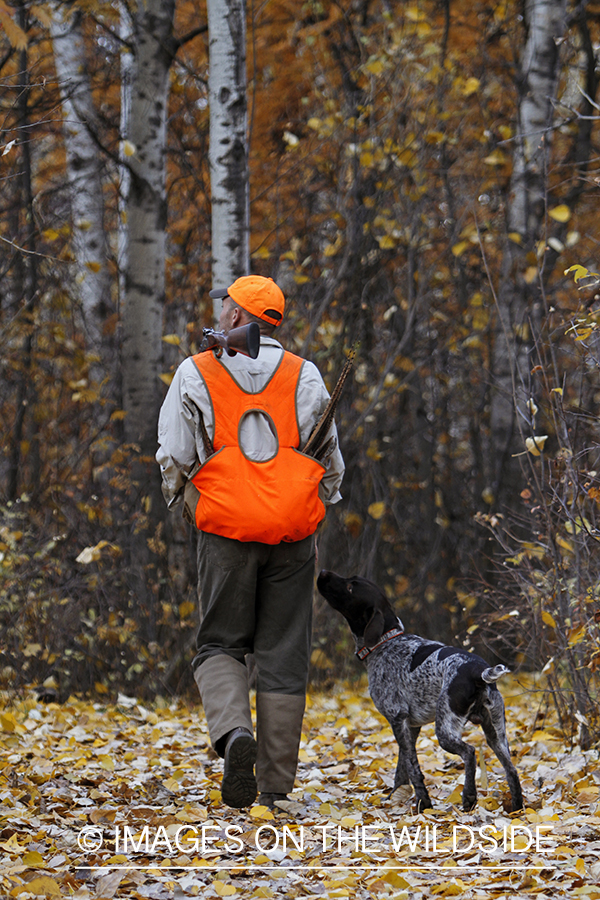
(413, 681)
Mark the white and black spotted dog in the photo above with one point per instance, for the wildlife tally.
(414, 681)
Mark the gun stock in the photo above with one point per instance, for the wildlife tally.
(244, 340)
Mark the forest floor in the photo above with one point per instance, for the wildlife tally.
(122, 800)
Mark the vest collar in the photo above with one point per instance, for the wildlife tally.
(387, 636)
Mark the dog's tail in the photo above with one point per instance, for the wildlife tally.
(493, 674)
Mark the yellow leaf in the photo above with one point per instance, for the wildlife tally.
(8, 722)
(129, 149)
(530, 274)
(560, 213)
(376, 510)
(495, 158)
(386, 242)
(50, 234)
(41, 15)
(320, 659)
(262, 252)
(515, 237)
(39, 886)
(186, 609)
(459, 248)
(167, 377)
(375, 66)
(536, 444)
(261, 812)
(435, 137)
(223, 889)
(16, 35)
(93, 266)
(12, 845)
(577, 635)
(172, 339)
(566, 545)
(579, 272)
(33, 859)
(107, 763)
(470, 86)
(91, 554)
(548, 619)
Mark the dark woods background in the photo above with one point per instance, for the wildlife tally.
(413, 187)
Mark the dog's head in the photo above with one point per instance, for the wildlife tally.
(364, 606)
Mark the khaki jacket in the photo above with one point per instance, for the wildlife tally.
(181, 450)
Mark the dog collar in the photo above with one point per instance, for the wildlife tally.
(388, 636)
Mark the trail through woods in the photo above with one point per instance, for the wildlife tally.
(120, 800)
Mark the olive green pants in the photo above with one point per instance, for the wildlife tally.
(256, 598)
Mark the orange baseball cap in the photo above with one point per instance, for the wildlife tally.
(257, 295)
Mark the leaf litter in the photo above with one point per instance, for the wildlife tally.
(121, 800)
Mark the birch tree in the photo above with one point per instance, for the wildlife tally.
(143, 302)
(146, 221)
(228, 141)
(519, 306)
(83, 169)
(126, 65)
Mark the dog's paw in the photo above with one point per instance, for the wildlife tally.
(469, 802)
(423, 803)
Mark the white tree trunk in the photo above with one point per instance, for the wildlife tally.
(520, 297)
(228, 141)
(146, 222)
(545, 21)
(83, 170)
(125, 33)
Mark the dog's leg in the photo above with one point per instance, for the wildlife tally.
(494, 727)
(449, 728)
(401, 776)
(408, 767)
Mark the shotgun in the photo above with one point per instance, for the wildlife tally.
(317, 446)
(244, 340)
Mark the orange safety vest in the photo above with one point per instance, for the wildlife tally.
(268, 501)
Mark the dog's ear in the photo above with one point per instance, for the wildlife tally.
(374, 628)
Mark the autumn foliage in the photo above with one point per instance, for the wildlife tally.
(382, 139)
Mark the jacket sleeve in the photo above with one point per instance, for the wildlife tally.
(311, 400)
(180, 446)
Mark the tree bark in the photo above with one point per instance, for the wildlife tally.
(25, 422)
(228, 141)
(141, 345)
(519, 297)
(146, 222)
(83, 170)
(124, 146)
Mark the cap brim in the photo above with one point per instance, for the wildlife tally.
(218, 293)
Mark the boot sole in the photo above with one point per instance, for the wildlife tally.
(238, 788)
